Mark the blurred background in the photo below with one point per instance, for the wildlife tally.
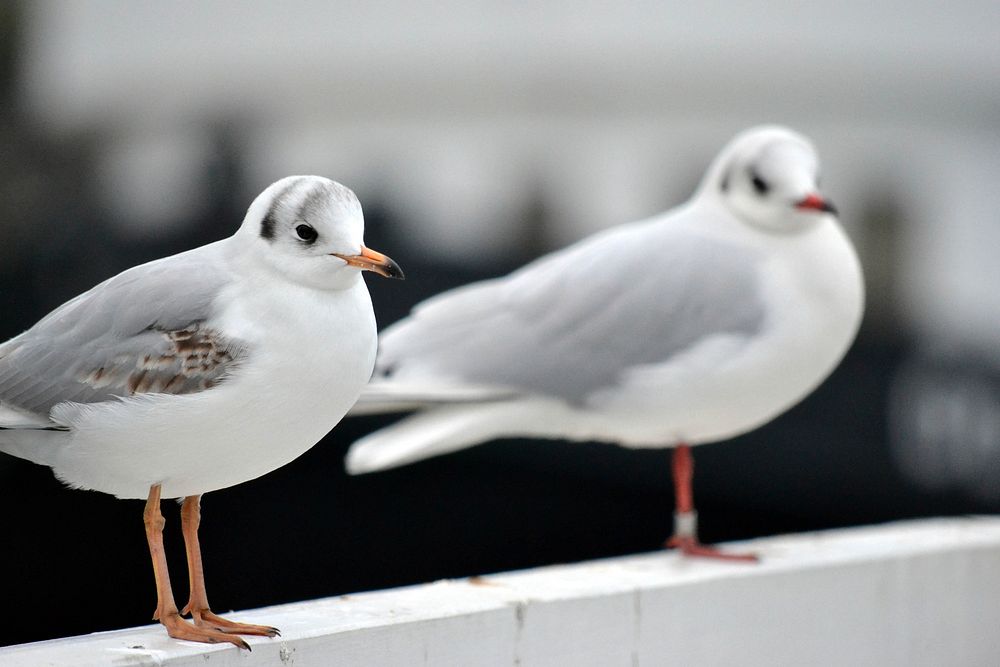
(479, 134)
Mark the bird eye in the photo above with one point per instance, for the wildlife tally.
(759, 184)
(306, 233)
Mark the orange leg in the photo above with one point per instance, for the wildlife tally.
(685, 535)
(197, 605)
(166, 609)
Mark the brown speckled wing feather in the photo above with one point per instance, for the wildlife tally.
(182, 361)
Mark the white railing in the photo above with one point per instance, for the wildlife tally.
(914, 593)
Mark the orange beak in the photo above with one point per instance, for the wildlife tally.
(372, 260)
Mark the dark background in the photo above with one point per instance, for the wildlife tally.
(854, 452)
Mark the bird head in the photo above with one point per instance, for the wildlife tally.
(310, 230)
(769, 177)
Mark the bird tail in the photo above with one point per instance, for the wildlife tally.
(380, 397)
(441, 430)
(31, 443)
(27, 435)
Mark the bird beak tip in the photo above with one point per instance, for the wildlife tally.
(815, 202)
(393, 271)
(374, 261)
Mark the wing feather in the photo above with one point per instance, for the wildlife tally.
(147, 330)
(576, 321)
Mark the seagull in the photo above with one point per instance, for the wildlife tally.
(691, 327)
(202, 370)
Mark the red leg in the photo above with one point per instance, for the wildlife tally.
(166, 609)
(685, 535)
(197, 605)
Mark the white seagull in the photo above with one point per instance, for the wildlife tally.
(202, 370)
(688, 328)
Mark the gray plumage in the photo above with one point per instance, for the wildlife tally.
(538, 332)
(142, 331)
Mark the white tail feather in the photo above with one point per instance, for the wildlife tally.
(32, 444)
(448, 429)
(13, 418)
(380, 397)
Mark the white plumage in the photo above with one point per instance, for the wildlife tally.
(280, 338)
(202, 370)
(691, 327)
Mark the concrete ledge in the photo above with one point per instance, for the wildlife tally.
(915, 593)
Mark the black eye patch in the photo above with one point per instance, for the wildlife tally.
(759, 184)
(306, 233)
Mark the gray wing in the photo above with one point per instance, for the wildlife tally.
(145, 330)
(575, 321)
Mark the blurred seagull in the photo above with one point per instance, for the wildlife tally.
(202, 370)
(691, 327)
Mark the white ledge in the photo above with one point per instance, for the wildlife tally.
(914, 593)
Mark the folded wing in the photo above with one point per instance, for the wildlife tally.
(146, 330)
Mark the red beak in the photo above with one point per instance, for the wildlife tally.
(814, 202)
